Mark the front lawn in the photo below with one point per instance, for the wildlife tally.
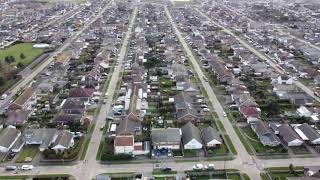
(189, 153)
(221, 150)
(285, 175)
(258, 147)
(159, 172)
(229, 142)
(28, 151)
(300, 150)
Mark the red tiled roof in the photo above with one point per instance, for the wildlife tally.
(124, 141)
(81, 92)
(138, 147)
(249, 111)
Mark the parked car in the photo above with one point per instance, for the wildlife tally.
(210, 166)
(224, 114)
(10, 168)
(205, 78)
(166, 169)
(27, 167)
(198, 167)
(4, 96)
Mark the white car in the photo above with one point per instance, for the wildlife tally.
(205, 79)
(210, 166)
(224, 114)
(198, 167)
(27, 167)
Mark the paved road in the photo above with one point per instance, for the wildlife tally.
(89, 168)
(26, 80)
(244, 158)
(260, 55)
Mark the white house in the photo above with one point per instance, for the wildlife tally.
(210, 137)
(62, 141)
(251, 119)
(124, 144)
(308, 134)
(304, 112)
(8, 138)
(284, 80)
(191, 136)
(289, 136)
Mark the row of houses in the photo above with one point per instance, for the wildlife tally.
(186, 137)
(11, 139)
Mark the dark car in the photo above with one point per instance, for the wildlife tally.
(166, 169)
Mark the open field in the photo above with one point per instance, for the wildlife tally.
(27, 49)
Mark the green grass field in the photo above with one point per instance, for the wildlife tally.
(15, 50)
(27, 151)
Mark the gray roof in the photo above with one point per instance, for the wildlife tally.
(208, 134)
(189, 132)
(311, 133)
(264, 133)
(129, 125)
(166, 136)
(18, 117)
(19, 143)
(63, 139)
(42, 136)
(8, 135)
(287, 133)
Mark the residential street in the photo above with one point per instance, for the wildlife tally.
(243, 157)
(137, 28)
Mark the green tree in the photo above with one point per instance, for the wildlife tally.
(12, 59)
(20, 65)
(22, 56)
(2, 81)
(7, 59)
(291, 169)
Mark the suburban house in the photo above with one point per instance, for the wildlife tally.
(124, 144)
(18, 117)
(72, 106)
(308, 133)
(191, 136)
(169, 138)
(284, 80)
(130, 125)
(62, 141)
(18, 145)
(41, 137)
(66, 118)
(289, 136)
(84, 94)
(249, 111)
(265, 135)
(211, 138)
(185, 110)
(24, 101)
(310, 112)
(8, 137)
